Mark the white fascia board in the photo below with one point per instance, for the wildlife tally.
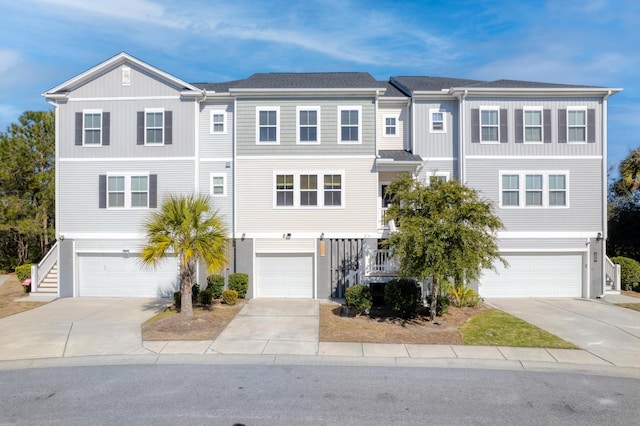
(564, 91)
(430, 95)
(306, 234)
(308, 92)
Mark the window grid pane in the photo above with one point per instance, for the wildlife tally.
(115, 189)
(268, 126)
(92, 128)
(349, 124)
(308, 126)
(577, 126)
(534, 190)
(489, 125)
(332, 190)
(284, 190)
(154, 127)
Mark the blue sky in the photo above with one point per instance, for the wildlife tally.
(594, 42)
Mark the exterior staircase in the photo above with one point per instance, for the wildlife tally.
(49, 284)
(612, 277)
(44, 275)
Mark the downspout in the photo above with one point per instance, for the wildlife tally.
(233, 185)
(603, 248)
(57, 185)
(196, 166)
(462, 164)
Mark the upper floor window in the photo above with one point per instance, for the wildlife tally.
(218, 184)
(534, 189)
(489, 125)
(268, 123)
(308, 120)
(349, 124)
(92, 128)
(557, 190)
(510, 190)
(532, 125)
(577, 125)
(218, 122)
(332, 190)
(308, 190)
(390, 125)
(115, 190)
(127, 190)
(154, 126)
(436, 121)
(284, 190)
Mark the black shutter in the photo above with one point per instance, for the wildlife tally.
(517, 119)
(168, 127)
(504, 129)
(140, 139)
(562, 126)
(153, 191)
(475, 125)
(546, 128)
(106, 127)
(78, 128)
(102, 191)
(591, 125)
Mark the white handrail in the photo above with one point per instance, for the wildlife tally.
(39, 272)
(613, 271)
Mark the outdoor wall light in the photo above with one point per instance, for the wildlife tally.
(287, 236)
(242, 237)
(322, 236)
(599, 237)
(61, 237)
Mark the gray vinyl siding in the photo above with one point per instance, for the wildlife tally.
(554, 148)
(224, 205)
(110, 85)
(400, 139)
(434, 145)
(542, 244)
(255, 191)
(78, 194)
(216, 145)
(246, 127)
(585, 194)
(123, 129)
(446, 165)
(95, 245)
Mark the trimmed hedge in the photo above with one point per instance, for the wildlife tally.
(205, 297)
(358, 298)
(240, 283)
(215, 284)
(23, 271)
(403, 296)
(230, 297)
(629, 273)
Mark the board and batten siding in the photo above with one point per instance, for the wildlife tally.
(554, 148)
(216, 145)
(78, 197)
(246, 127)
(585, 194)
(123, 129)
(433, 167)
(255, 211)
(224, 204)
(429, 144)
(399, 140)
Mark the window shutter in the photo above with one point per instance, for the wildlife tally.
(140, 139)
(153, 191)
(102, 191)
(106, 127)
(168, 126)
(504, 129)
(591, 125)
(546, 129)
(517, 118)
(78, 128)
(475, 125)
(562, 126)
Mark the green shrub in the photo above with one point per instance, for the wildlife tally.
(403, 296)
(177, 300)
(629, 273)
(358, 298)
(442, 304)
(195, 291)
(215, 283)
(463, 296)
(240, 283)
(23, 271)
(230, 297)
(205, 297)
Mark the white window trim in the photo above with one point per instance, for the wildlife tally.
(522, 190)
(84, 128)
(349, 108)
(524, 125)
(586, 123)
(224, 184)
(320, 189)
(127, 189)
(489, 108)
(263, 109)
(307, 108)
(444, 121)
(152, 110)
(429, 175)
(224, 121)
(395, 127)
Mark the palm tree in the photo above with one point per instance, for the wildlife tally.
(186, 227)
(629, 174)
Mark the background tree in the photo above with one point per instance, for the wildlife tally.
(629, 169)
(27, 188)
(623, 234)
(186, 227)
(444, 231)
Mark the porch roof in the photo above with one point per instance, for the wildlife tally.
(397, 159)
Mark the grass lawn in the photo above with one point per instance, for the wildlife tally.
(497, 328)
(9, 292)
(634, 306)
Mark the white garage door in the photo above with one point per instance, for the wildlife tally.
(535, 275)
(287, 276)
(116, 275)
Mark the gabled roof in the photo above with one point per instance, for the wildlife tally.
(117, 60)
(391, 90)
(318, 80)
(398, 155)
(518, 84)
(411, 84)
(217, 87)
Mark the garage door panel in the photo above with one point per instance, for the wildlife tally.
(534, 275)
(284, 276)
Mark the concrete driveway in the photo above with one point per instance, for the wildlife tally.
(77, 327)
(607, 331)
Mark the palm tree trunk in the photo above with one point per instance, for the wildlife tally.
(186, 307)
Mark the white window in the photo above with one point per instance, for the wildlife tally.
(154, 126)
(218, 122)
(349, 128)
(437, 176)
(534, 189)
(128, 191)
(532, 125)
(308, 190)
(218, 184)
(437, 121)
(489, 125)
(390, 125)
(284, 190)
(268, 125)
(332, 190)
(577, 125)
(308, 124)
(92, 127)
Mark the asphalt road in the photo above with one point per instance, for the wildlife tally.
(316, 395)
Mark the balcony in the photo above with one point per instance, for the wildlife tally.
(380, 263)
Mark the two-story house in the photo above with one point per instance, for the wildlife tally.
(298, 164)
